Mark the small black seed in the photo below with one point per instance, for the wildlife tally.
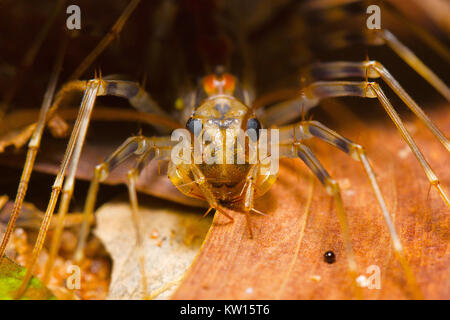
(329, 257)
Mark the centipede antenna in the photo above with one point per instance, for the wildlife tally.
(428, 38)
(131, 177)
(28, 59)
(110, 36)
(415, 63)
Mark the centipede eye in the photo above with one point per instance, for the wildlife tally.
(253, 124)
(194, 125)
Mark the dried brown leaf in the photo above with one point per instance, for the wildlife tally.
(172, 238)
(285, 258)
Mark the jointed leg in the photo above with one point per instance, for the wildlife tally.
(414, 62)
(295, 150)
(378, 37)
(327, 89)
(71, 86)
(60, 224)
(133, 91)
(285, 111)
(33, 148)
(132, 176)
(28, 59)
(372, 69)
(132, 146)
(112, 34)
(381, 37)
(136, 95)
(71, 157)
(309, 129)
(147, 149)
(130, 90)
(391, 16)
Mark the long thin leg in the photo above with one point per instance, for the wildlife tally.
(285, 111)
(132, 176)
(133, 91)
(308, 129)
(136, 95)
(128, 149)
(24, 119)
(35, 142)
(381, 37)
(127, 89)
(132, 146)
(25, 134)
(28, 59)
(372, 69)
(319, 90)
(71, 157)
(414, 62)
(345, 38)
(391, 16)
(156, 148)
(33, 148)
(112, 34)
(301, 151)
(327, 89)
